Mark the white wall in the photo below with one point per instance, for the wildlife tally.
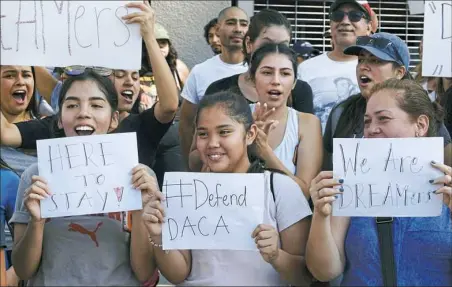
(185, 22)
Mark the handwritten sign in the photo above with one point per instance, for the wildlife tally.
(212, 211)
(64, 33)
(89, 174)
(387, 177)
(437, 49)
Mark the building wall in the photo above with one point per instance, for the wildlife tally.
(185, 22)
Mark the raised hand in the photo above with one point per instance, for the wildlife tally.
(146, 18)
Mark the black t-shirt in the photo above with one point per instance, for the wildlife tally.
(301, 94)
(149, 132)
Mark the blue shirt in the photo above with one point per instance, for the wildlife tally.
(422, 251)
(9, 185)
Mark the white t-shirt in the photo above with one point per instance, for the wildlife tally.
(248, 268)
(331, 83)
(204, 74)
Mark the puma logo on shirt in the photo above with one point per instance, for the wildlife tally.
(92, 234)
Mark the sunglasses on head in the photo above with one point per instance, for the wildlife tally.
(353, 16)
(381, 44)
(78, 70)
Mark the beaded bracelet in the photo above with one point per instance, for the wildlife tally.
(157, 245)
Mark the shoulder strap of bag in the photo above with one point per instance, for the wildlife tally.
(384, 227)
(271, 185)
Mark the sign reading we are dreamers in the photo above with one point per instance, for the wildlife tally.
(65, 33)
(388, 177)
(212, 210)
(89, 174)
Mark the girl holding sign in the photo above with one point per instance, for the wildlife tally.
(81, 250)
(225, 136)
(422, 246)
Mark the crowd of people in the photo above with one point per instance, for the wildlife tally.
(259, 105)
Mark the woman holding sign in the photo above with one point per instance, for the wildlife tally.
(421, 246)
(225, 135)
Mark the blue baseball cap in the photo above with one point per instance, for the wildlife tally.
(305, 49)
(385, 46)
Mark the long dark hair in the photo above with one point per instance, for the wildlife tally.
(264, 19)
(104, 84)
(354, 108)
(237, 108)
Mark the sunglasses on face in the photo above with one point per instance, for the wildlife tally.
(353, 16)
(381, 44)
(78, 70)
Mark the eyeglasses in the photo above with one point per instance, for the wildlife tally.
(78, 70)
(353, 16)
(381, 44)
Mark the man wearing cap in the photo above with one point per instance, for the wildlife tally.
(304, 51)
(232, 26)
(348, 20)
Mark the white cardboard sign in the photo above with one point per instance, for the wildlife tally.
(212, 210)
(388, 177)
(64, 33)
(437, 44)
(89, 174)
(416, 6)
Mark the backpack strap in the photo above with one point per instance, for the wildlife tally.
(271, 186)
(388, 268)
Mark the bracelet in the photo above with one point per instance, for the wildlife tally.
(157, 245)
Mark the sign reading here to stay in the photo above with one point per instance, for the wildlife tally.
(89, 174)
(388, 177)
(212, 210)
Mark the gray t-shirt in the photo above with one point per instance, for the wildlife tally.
(79, 250)
(248, 268)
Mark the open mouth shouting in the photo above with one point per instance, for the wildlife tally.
(275, 94)
(127, 95)
(364, 80)
(84, 130)
(19, 96)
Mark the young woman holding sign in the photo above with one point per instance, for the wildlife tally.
(422, 246)
(150, 125)
(293, 143)
(81, 250)
(225, 137)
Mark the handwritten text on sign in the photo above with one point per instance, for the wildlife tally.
(64, 33)
(387, 177)
(212, 210)
(89, 174)
(437, 44)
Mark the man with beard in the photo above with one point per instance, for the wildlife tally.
(232, 27)
(349, 19)
(211, 36)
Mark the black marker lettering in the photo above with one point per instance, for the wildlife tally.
(67, 199)
(97, 23)
(54, 202)
(171, 220)
(389, 158)
(20, 22)
(103, 154)
(225, 226)
(42, 28)
(189, 225)
(414, 163)
(68, 27)
(195, 181)
(55, 158)
(88, 156)
(69, 156)
(85, 195)
(77, 16)
(357, 198)
(344, 164)
(1, 39)
(199, 226)
(104, 199)
(125, 25)
(84, 179)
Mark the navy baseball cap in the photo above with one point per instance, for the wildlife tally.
(385, 46)
(305, 49)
